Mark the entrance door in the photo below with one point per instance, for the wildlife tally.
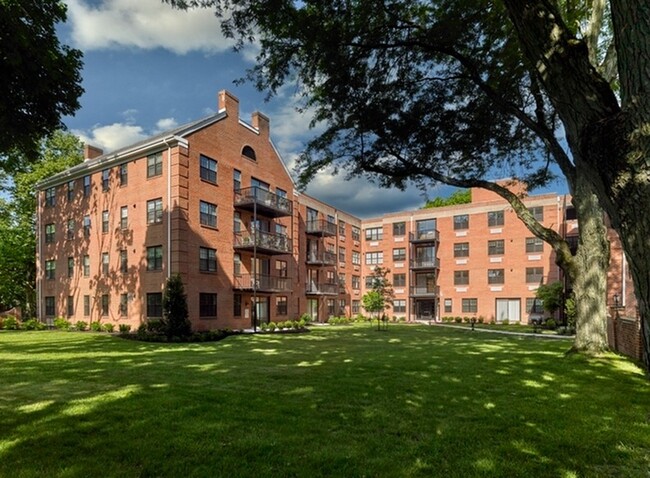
(508, 309)
(262, 310)
(312, 309)
(426, 309)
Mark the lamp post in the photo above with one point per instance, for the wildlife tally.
(617, 305)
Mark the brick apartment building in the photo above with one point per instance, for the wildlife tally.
(212, 201)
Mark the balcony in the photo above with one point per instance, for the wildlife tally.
(427, 235)
(262, 283)
(264, 242)
(321, 258)
(425, 291)
(321, 228)
(322, 289)
(573, 243)
(425, 263)
(264, 202)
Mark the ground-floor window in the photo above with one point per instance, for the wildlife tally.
(470, 305)
(124, 304)
(70, 306)
(330, 307)
(534, 306)
(356, 306)
(237, 305)
(448, 306)
(105, 304)
(86, 305)
(399, 306)
(281, 305)
(49, 306)
(207, 305)
(154, 304)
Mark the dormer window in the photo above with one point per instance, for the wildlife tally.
(249, 153)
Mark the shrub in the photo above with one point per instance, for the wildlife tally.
(108, 327)
(10, 323)
(458, 320)
(272, 326)
(264, 327)
(466, 320)
(81, 325)
(550, 323)
(177, 323)
(481, 319)
(62, 324)
(95, 326)
(301, 324)
(306, 318)
(505, 322)
(154, 327)
(124, 328)
(33, 324)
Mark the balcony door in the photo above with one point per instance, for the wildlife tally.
(508, 309)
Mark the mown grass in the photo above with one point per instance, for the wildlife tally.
(339, 401)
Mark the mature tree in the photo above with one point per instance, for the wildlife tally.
(175, 314)
(40, 81)
(18, 232)
(454, 91)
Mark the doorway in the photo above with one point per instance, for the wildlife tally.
(508, 309)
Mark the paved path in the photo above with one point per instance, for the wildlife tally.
(504, 332)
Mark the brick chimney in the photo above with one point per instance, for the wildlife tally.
(91, 152)
(261, 123)
(230, 103)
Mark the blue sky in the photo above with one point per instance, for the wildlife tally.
(148, 68)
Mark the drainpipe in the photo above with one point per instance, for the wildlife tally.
(169, 209)
(39, 288)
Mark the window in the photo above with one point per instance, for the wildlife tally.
(356, 306)
(105, 304)
(495, 218)
(86, 226)
(104, 222)
(331, 304)
(207, 259)
(105, 264)
(399, 228)
(208, 214)
(537, 212)
(374, 258)
(49, 306)
(87, 185)
(461, 222)
(70, 229)
(208, 169)
(236, 305)
(281, 268)
(469, 305)
(124, 175)
(534, 306)
(281, 305)
(207, 305)
(342, 305)
(124, 217)
(399, 306)
(154, 165)
(50, 269)
(374, 234)
(342, 228)
(534, 244)
(329, 277)
(154, 258)
(154, 304)
(399, 254)
(124, 261)
(495, 276)
(461, 249)
(356, 282)
(534, 275)
(370, 282)
(86, 305)
(496, 248)
(86, 266)
(236, 178)
(154, 211)
(425, 229)
(50, 197)
(237, 265)
(461, 277)
(448, 306)
(70, 190)
(50, 230)
(249, 153)
(70, 306)
(124, 304)
(356, 258)
(356, 233)
(341, 254)
(399, 280)
(281, 193)
(106, 180)
(70, 266)
(570, 213)
(236, 223)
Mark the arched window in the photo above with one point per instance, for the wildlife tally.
(249, 153)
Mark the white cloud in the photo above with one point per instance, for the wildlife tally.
(144, 24)
(112, 137)
(165, 124)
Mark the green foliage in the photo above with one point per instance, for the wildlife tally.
(96, 326)
(550, 323)
(462, 196)
(551, 296)
(33, 324)
(38, 92)
(10, 323)
(108, 327)
(373, 302)
(124, 328)
(61, 323)
(81, 325)
(175, 311)
(570, 311)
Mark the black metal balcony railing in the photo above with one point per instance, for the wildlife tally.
(314, 288)
(263, 283)
(428, 235)
(264, 242)
(425, 291)
(264, 202)
(320, 227)
(425, 263)
(321, 258)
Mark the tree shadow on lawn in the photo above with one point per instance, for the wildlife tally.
(416, 401)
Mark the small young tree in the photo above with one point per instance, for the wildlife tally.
(381, 295)
(175, 315)
(551, 296)
(373, 302)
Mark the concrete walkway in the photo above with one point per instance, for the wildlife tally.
(503, 332)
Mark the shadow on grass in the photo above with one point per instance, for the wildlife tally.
(416, 401)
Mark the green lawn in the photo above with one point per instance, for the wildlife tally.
(339, 401)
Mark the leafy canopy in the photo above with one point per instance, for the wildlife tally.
(463, 196)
